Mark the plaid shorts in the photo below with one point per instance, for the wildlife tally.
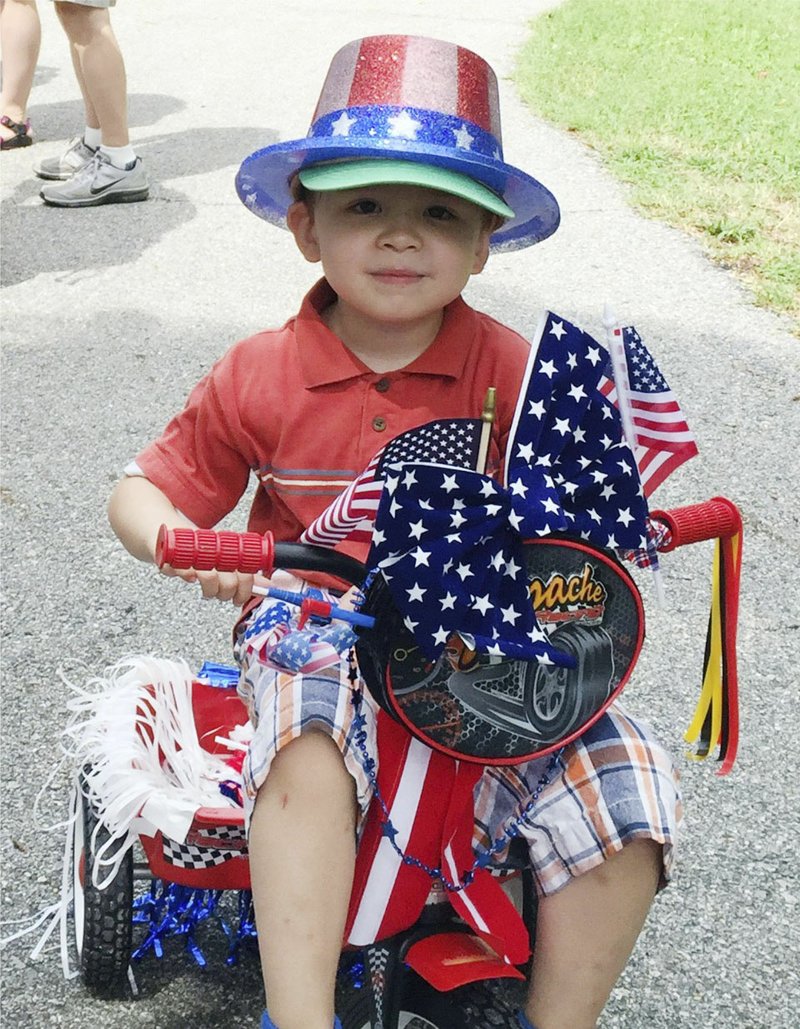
(614, 784)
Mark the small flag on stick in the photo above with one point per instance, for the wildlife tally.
(654, 423)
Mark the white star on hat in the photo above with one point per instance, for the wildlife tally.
(403, 126)
(343, 124)
(463, 137)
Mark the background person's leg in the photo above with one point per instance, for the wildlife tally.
(20, 36)
(99, 69)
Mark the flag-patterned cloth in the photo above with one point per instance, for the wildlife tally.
(447, 546)
(663, 438)
(449, 540)
(452, 441)
(275, 636)
(429, 801)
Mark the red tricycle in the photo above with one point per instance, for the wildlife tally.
(178, 796)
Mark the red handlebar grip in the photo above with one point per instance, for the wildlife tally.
(225, 551)
(713, 519)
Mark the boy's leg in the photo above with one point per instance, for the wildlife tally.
(99, 69)
(302, 855)
(585, 934)
(20, 36)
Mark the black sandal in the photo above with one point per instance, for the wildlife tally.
(20, 137)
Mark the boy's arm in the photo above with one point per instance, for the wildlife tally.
(137, 509)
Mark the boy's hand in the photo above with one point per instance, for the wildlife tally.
(234, 586)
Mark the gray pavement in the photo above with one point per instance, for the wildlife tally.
(110, 315)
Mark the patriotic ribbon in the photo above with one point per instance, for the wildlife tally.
(429, 802)
(715, 722)
(449, 541)
(716, 718)
(281, 644)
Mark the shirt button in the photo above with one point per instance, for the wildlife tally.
(379, 424)
(382, 385)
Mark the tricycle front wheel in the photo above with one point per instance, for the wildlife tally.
(476, 1006)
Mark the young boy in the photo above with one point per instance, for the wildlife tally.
(399, 192)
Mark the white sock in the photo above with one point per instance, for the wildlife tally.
(91, 137)
(120, 156)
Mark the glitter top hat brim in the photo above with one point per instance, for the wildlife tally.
(406, 98)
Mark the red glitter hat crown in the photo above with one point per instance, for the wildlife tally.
(408, 98)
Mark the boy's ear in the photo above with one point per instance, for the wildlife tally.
(300, 222)
(482, 249)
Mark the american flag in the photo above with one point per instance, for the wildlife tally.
(663, 440)
(449, 540)
(452, 441)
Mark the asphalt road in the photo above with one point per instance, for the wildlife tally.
(110, 315)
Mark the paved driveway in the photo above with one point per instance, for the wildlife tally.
(110, 315)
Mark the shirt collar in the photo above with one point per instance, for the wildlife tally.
(324, 359)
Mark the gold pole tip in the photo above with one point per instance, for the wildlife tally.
(489, 405)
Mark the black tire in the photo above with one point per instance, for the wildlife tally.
(103, 918)
(476, 1006)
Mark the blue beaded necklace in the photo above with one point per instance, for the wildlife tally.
(389, 831)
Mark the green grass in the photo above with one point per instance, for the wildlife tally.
(696, 104)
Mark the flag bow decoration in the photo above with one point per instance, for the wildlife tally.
(449, 540)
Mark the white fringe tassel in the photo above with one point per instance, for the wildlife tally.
(133, 736)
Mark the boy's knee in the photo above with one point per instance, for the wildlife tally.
(310, 757)
(309, 774)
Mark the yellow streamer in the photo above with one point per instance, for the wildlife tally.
(711, 693)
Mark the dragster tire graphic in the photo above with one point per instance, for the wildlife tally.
(550, 701)
(557, 700)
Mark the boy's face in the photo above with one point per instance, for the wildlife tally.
(393, 254)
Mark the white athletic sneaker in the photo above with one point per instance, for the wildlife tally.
(99, 182)
(76, 156)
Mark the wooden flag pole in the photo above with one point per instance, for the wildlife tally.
(487, 417)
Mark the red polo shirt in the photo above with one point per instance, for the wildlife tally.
(296, 408)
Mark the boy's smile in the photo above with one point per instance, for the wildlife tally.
(395, 257)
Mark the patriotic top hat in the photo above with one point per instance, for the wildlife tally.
(412, 110)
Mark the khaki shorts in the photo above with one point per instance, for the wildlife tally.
(89, 3)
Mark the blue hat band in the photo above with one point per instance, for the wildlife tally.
(396, 126)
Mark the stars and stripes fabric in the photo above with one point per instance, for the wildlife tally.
(274, 635)
(567, 457)
(452, 441)
(465, 571)
(388, 894)
(663, 440)
(429, 801)
(449, 541)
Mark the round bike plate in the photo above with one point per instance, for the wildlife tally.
(494, 711)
